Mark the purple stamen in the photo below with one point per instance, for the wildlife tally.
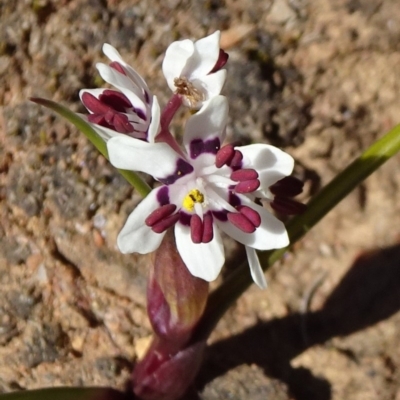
(208, 231)
(288, 187)
(122, 124)
(118, 121)
(222, 60)
(109, 117)
(244, 175)
(252, 215)
(106, 110)
(159, 214)
(118, 67)
(99, 120)
(93, 104)
(224, 156)
(116, 100)
(196, 228)
(286, 206)
(165, 223)
(236, 161)
(247, 186)
(242, 222)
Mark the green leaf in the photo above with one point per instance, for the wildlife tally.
(134, 179)
(63, 393)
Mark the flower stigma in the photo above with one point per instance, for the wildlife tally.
(193, 197)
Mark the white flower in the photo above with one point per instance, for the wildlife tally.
(130, 110)
(189, 69)
(205, 189)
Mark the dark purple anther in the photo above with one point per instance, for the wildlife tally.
(247, 186)
(93, 104)
(242, 222)
(244, 175)
(288, 187)
(98, 119)
(196, 228)
(222, 60)
(159, 214)
(118, 67)
(286, 206)
(224, 156)
(208, 231)
(108, 110)
(122, 124)
(252, 215)
(116, 100)
(236, 161)
(165, 223)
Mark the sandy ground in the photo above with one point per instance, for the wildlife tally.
(319, 78)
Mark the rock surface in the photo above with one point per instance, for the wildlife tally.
(320, 79)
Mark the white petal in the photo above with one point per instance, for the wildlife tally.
(208, 123)
(271, 234)
(204, 58)
(271, 163)
(136, 236)
(124, 84)
(156, 159)
(177, 193)
(175, 59)
(114, 55)
(154, 127)
(255, 268)
(203, 260)
(212, 84)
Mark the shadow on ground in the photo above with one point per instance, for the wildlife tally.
(367, 294)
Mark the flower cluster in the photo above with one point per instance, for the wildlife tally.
(206, 186)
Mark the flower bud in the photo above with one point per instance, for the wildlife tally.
(175, 298)
(175, 302)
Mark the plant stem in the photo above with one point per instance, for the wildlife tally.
(230, 290)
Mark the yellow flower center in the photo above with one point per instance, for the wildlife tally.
(194, 196)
